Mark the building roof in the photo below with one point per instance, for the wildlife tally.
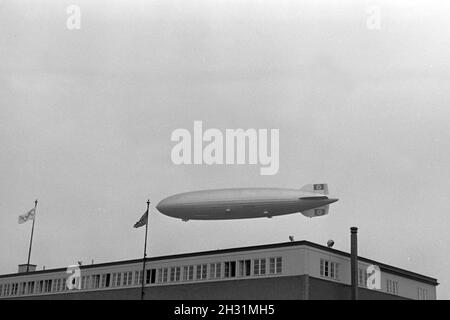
(382, 266)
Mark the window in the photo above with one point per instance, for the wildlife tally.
(57, 284)
(392, 286)
(202, 271)
(1, 290)
(137, 277)
(215, 270)
(14, 289)
(275, 265)
(113, 282)
(151, 275)
(244, 268)
(108, 279)
(118, 279)
(422, 294)
(40, 288)
(30, 287)
(47, 285)
(329, 269)
(105, 280)
(188, 273)
(162, 275)
(230, 269)
(22, 288)
(366, 276)
(278, 265)
(259, 267)
(263, 266)
(175, 274)
(148, 276)
(96, 281)
(361, 281)
(125, 278)
(86, 284)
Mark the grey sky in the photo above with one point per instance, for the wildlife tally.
(86, 117)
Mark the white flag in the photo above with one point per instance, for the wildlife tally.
(27, 216)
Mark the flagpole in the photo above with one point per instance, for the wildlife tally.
(31, 239)
(145, 252)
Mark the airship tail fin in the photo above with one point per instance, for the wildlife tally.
(320, 188)
(316, 212)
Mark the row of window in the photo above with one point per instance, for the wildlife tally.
(216, 270)
(330, 269)
(107, 280)
(33, 287)
(392, 286)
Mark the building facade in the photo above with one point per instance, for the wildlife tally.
(299, 270)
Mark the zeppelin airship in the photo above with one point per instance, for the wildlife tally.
(312, 200)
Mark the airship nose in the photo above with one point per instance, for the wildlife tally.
(162, 206)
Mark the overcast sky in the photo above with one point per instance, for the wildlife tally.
(86, 118)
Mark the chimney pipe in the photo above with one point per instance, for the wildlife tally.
(354, 261)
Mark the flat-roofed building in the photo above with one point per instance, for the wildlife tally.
(291, 270)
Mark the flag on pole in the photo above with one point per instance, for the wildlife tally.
(142, 221)
(27, 216)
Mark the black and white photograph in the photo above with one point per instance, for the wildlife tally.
(203, 152)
